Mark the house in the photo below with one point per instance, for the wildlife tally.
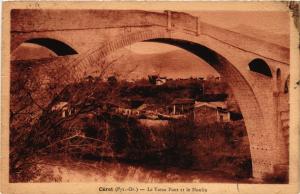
(217, 79)
(140, 109)
(181, 106)
(157, 80)
(210, 112)
(63, 109)
(89, 79)
(149, 111)
(123, 111)
(129, 112)
(161, 80)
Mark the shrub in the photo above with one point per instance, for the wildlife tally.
(276, 177)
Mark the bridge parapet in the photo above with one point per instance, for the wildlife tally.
(61, 20)
(78, 20)
(183, 21)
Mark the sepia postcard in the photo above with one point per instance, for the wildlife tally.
(150, 97)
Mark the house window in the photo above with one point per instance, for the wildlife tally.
(221, 118)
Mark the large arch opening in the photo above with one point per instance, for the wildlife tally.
(39, 48)
(58, 47)
(226, 70)
(218, 63)
(231, 75)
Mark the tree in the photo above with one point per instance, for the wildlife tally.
(112, 80)
(152, 79)
(36, 88)
(210, 78)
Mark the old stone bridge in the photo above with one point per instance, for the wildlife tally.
(255, 70)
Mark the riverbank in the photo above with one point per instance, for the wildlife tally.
(66, 169)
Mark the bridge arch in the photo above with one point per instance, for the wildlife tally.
(260, 66)
(243, 92)
(287, 85)
(278, 80)
(60, 48)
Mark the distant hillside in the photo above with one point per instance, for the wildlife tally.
(129, 65)
(174, 64)
(123, 93)
(31, 51)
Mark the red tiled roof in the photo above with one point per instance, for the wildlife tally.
(183, 101)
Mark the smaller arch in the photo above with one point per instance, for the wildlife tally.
(287, 85)
(260, 66)
(278, 74)
(278, 79)
(58, 47)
